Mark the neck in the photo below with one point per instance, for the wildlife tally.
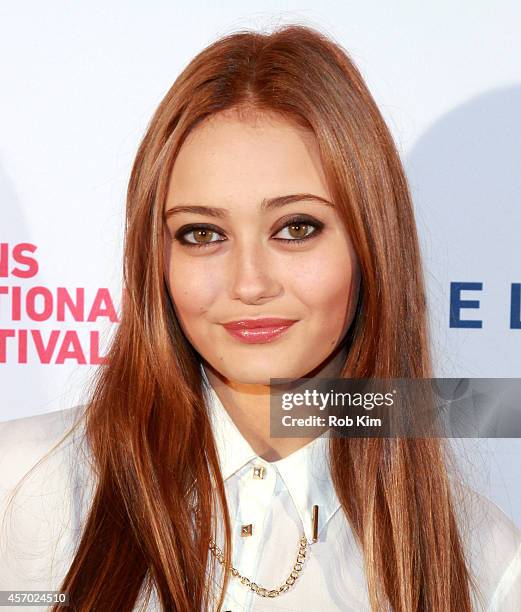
(249, 408)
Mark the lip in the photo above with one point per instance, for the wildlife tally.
(258, 323)
(254, 331)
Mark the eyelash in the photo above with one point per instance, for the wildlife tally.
(318, 225)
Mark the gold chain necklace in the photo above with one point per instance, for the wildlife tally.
(263, 592)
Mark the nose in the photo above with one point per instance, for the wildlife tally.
(253, 274)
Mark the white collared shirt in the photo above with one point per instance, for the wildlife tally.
(278, 507)
(44, 526)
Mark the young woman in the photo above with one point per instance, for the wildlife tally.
(269, 234)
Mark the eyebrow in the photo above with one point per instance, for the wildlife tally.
(266, 204)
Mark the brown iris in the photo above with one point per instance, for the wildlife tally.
(300, 229)
(205, 234)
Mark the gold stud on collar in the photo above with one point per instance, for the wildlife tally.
(246, 530)
(258, 472)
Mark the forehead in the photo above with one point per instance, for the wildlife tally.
(231, 156)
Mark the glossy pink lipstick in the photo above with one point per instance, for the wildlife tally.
(254, 331)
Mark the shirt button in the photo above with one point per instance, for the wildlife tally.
(258, 472)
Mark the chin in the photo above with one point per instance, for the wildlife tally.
(261, 373)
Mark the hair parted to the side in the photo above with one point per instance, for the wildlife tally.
(146, 421)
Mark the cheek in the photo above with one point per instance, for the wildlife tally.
(327, 286)
(192, 289)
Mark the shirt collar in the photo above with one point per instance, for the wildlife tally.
(305, 472)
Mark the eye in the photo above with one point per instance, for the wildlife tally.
(301, 228)
(201, 235)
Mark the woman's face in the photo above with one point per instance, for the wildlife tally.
(257, 261)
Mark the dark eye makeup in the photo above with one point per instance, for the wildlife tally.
(297, 220)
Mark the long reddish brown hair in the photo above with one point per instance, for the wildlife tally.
(146, 421)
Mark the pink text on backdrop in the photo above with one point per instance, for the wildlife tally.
(46, 304)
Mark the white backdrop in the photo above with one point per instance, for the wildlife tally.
(79, 84)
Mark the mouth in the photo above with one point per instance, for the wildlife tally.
(255, 331)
